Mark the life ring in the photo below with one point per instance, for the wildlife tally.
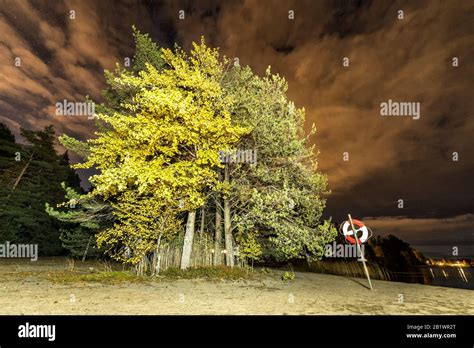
(360, 227)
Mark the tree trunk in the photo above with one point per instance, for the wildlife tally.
(22, 173)
(203, 219)
(188, 240)
(141, 267)
(229, 256)
(157, 257)
(87, 249)
(18, 179)
(218, 235)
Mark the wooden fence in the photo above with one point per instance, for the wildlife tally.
(169, 256)
(350, 269)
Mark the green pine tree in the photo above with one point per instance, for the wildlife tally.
(31, 176)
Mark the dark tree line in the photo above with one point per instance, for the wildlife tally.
(31, 174)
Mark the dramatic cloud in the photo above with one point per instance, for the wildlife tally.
(55, 50)
(408, 59)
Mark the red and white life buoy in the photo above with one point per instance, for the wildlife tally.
(363, 233)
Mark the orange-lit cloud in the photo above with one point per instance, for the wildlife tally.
(407, 59)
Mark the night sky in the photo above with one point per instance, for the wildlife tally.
(390, 158)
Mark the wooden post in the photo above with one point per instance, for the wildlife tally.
(360, 251)
(229, 247)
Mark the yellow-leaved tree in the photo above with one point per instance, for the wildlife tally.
(156, 152)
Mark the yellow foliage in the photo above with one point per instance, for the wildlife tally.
(157, 158)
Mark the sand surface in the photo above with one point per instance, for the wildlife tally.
(24, 290)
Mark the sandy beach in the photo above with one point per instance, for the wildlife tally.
(24, 289)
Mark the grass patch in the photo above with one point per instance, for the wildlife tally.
(114, 277)
(218, 272)
(288, 276)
